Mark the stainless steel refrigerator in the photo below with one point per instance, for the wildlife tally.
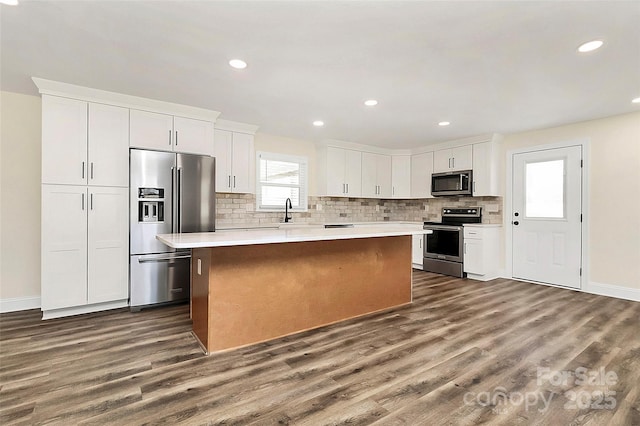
(170, 193)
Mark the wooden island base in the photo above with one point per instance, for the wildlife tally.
(251, 293)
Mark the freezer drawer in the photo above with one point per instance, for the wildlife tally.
(159, 278)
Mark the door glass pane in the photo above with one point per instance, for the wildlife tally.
(544, 189)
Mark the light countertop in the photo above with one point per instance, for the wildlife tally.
(482, 225)
(287, 235)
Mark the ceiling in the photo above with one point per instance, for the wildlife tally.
(486, 67)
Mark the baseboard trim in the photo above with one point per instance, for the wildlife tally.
(78, 310)
(19, 304)
(611, 290)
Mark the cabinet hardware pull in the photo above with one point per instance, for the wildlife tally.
(347, 188)
(92, 170)
(465, 248)
(169, 137)
(234, 181)
(454, 162)
(82, 201)
(83, 170)
(91, 201)
(474, 186)
(176, 138)
(229, 181)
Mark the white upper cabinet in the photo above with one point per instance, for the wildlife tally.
(108, 155)
(64, 141)
(151, 130)
(376, 175)
(401, 176)
(193, 136)
(485, 169)
(234, 153)
(84, 143)
(452, 159)
(341, 172)
(421, 170)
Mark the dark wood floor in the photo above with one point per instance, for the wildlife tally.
(461, 345)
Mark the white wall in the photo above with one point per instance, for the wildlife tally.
(20, 191)
(614, 192)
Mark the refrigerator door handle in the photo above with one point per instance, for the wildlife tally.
(179, 205)
(163, 257)
(173, 203)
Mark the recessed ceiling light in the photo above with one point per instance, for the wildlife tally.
(371, 102)
(636, 101)
(238, 64)
(9, 2)
(318, 123)
(590, 46)
(443, 123)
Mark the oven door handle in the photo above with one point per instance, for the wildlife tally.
(443, 228)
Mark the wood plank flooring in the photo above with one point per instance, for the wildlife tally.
(465, 352)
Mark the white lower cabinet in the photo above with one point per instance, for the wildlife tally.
(481, 251)
(417, 251)
(84, 249)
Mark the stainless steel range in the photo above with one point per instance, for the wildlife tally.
(444, 248)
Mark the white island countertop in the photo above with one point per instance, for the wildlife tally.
(293, 235)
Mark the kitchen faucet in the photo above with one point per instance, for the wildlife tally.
(287, 206)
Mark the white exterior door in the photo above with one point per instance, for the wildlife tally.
(108, 243)
(546, 216)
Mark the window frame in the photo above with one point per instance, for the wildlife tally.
(303, 162)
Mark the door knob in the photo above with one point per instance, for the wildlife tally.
(516, 223)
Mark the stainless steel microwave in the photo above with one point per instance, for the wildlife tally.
(452, 183)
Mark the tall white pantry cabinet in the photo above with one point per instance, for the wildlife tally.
(85, 175)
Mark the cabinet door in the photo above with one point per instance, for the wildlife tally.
(151, 130)
(417, 253)
(462, 157)
(64, 246)
(484, 170)
(473, 261)
(442, 160)
(353, 173)
(336, 166)
(421, 171)
(383, 174)
(369, 179)
(401, 176)
(222, 143)
(108, 245)
(193, 136)
(108, 145)
(64, 141)
(242, 162)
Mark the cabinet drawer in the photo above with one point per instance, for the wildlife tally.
(473, 232)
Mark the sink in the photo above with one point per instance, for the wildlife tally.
(338, 225)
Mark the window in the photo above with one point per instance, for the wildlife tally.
(545, 189)
(280, 177)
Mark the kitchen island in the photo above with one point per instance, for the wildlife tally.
(249, 286)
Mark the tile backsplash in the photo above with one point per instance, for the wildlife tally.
(239, 209)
